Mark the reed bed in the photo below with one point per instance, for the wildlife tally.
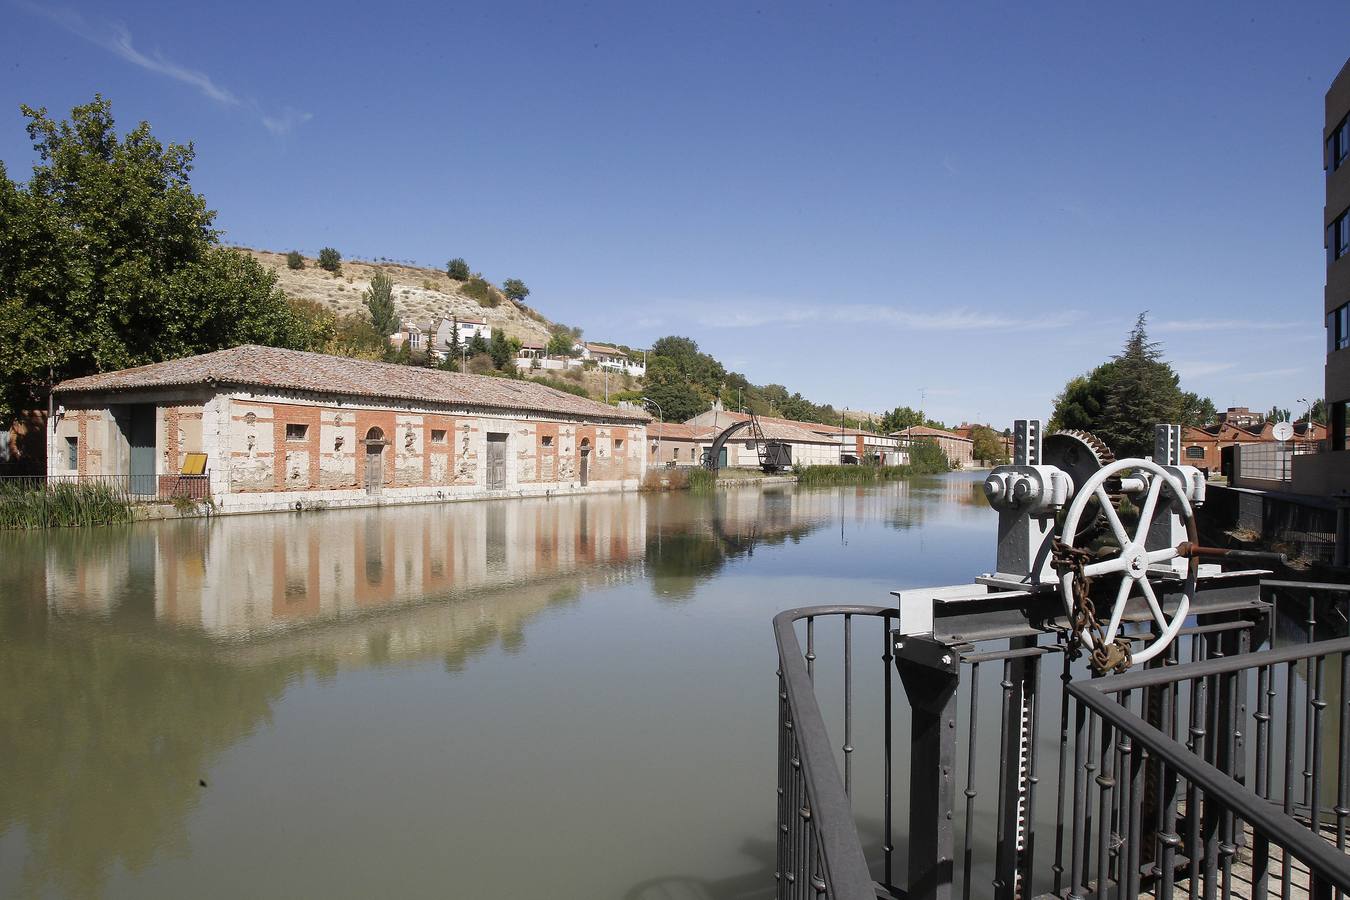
(28, 503)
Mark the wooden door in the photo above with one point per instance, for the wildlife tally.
(374, 468)
(496, 461)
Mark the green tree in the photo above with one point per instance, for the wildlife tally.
(1198, 411)
(1319, 411)
(379, 299)
(561, 343)
(1123, 399)
(294, 260)
(453, 345)
(666, 385)
(330, 260)
(477, 344)
(108, 259)
(457, 269)
(499, 348)
(1277, 414)
(1081, 404)
(515, 289)
(354, 336)
(705, 372)
(987, 445)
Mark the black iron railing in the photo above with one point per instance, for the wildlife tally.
(1213, 766)
(1178, 809)
(820, 853)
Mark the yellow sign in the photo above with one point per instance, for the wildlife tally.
(194, 464)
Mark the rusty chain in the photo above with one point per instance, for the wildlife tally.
(1112, 656)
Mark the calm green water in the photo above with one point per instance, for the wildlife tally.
(571, 698)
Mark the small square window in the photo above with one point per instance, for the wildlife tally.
(438, 435)
(618, 444)
(547, 440)
(296, 432)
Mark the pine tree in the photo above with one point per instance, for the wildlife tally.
(1143, 392)
(379, 298)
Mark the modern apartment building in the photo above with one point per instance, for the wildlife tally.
(1329, 472)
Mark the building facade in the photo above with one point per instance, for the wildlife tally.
(676, 444)
(1329, 472)
(284, 429)
(960, 451)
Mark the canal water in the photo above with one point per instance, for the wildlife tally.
(568, 698)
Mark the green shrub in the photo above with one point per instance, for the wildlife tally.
(330, 260)
(294, 260)
(927, 458)
(515, 289)
(480, 290)
(457, 269)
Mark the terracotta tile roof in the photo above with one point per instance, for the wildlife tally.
(817, 429)
(926, 431)
(272, 367)
(604, 348)
(678, 431)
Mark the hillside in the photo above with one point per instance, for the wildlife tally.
(419, 293)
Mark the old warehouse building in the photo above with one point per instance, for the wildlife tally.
(284, 427)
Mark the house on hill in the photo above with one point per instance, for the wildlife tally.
(285, 429)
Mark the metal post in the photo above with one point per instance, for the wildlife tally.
(930, 673)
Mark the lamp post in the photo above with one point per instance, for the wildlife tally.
(660, 417)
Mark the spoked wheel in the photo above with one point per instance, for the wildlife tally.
(1131, 563)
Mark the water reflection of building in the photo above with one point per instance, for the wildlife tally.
(241, 578)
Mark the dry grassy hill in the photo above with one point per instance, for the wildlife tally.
(419, 293)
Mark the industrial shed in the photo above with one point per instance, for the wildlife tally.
(285, 428)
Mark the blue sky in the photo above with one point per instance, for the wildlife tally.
(868, 202)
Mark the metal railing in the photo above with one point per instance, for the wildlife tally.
(1014, 813)
(819, 849)
(133, 488)
(1179, 817)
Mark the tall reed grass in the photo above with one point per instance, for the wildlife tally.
(31, 503)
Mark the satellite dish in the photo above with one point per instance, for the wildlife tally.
(1283, 431)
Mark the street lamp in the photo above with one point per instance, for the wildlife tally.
(660, 417)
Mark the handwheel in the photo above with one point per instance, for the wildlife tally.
(1133, 560)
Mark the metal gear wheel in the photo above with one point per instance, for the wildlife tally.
(1080, 454)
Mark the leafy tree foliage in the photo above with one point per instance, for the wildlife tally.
(926, 456)
(903, 417)
(294, 260)
(480, 290)
(477, 344)
(561, 343)
(379, 299)
(108, 259)
(501, 350)
(330, 260)
(1319, 411)
(678, 398)
(457, 269)
(515, 289)
(1277, 414)
(987, 444)
(1121, 400)
(1197, 410)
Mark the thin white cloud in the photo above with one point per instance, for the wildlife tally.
(116, 39)
(285, 122)
(1224, 325)
(864, 314)
(1200, 368)
(1267, 373)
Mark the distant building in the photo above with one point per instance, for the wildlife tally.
(675, 443)
(1329, 472)
(812, 443)
(1240, 417)
(960, 451)
(282, 428)
(1210, 447)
